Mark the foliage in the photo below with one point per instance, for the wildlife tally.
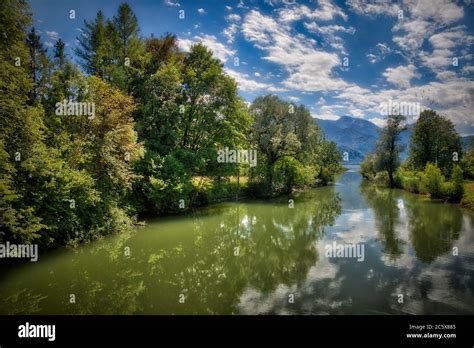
(467, 163)
(160, 118)
(434, 140)
(291, 147)
(387, 154)
(432, 179)
(367, 167)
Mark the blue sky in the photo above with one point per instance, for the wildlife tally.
(339, 58)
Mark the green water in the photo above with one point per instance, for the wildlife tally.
(263, 257)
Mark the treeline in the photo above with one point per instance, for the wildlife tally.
(436, 164)
(137, 131)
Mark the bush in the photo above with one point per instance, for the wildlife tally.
(290, 173)
(432, 180)
(453, 190)
(381, 179)
(408, 180)
(367, 167)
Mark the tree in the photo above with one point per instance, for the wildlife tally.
(387, 148)
(128, 50)
(283, 130)
(38, 63)
(93, 48)
(468, 162)
(162, 50)
(59, 54)
(434, 140)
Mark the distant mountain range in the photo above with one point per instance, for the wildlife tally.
(357, 137)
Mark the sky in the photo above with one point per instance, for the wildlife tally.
(338, 58)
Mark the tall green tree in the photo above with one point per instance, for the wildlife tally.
(93, 49)
(434, 140)
(128, 49)
(38, 63)
(388, 148)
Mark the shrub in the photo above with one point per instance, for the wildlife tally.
(453, 190)
(367, 167)
(432, 180)
(408, 180)
(381, 178)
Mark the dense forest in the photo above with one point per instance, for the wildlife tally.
(136, 129)
(436, 165)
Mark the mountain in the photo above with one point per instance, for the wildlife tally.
(358, 137)
(355, 136)
(467, 142)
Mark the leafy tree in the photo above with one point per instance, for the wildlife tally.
(387, 150)
(434, 140)
(161, 51)
(280, 130)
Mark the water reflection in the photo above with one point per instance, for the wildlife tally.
(248, 258)
(206, 260)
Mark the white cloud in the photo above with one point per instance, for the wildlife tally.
(248, 85)
(308, 69)
(379, 52)
(230, 32)
(326, 112)
(378, 121)
(201, 10)
(371, 8)
(401, 75)
(328, 32)
(325, 11)
(453, 98)
(257, 74)
(172, 3)
(52, 35)
(219, 50)
(372, 58)
(233, 17)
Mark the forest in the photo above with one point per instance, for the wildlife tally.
(134, 130)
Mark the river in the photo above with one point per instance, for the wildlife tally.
(266, 257)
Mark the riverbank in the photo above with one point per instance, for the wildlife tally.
(247, 257)
(468, 198)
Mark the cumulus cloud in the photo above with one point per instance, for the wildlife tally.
(308, 68)
(326, 10)
(401, 75)
(245, 83)
(219, 50)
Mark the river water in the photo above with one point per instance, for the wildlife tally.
(267, 257)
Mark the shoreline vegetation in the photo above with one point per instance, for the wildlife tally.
(436, 165)
(137, 129)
